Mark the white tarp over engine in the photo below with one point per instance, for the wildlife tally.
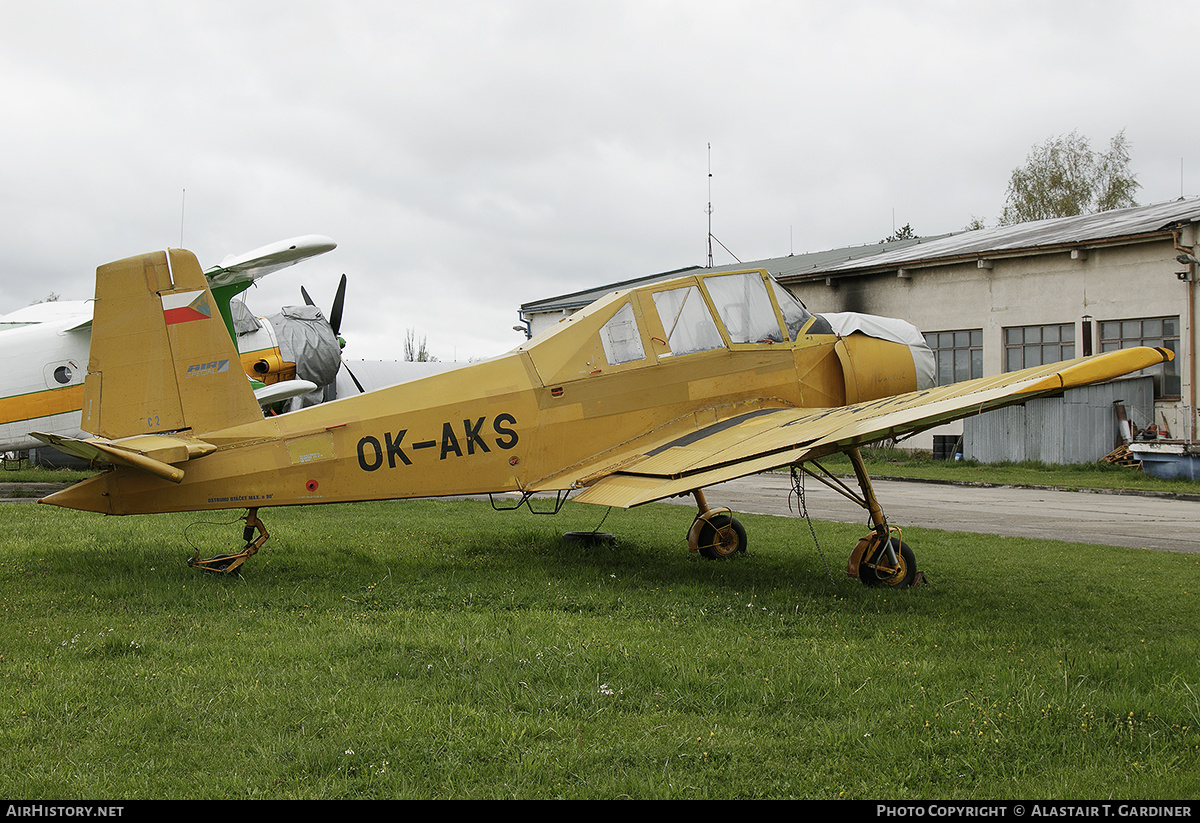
(889, 328)
(305, 338)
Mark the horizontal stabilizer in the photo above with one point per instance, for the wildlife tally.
(153, 454)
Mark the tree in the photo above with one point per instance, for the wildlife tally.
(415, 352)
(905, 233)
(1063, 177)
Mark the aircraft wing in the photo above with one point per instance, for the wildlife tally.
(62, 315)
(770, 438)
(252, 265)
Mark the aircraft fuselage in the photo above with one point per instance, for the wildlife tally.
(526, 421)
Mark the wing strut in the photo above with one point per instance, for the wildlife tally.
(830, 480)
(867, 500)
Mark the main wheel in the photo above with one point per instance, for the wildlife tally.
(904, 575)
(720, 537)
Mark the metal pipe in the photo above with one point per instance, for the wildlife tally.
(1191, 320)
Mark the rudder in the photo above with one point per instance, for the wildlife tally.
(161, 357)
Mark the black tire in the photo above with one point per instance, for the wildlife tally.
(721, 537)
(870, 576)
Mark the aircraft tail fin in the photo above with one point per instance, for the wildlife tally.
(161, 357)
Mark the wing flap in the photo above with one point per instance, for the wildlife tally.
(624, 490)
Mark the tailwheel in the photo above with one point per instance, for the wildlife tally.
(229, 563)
(892, 564)
(221, 564)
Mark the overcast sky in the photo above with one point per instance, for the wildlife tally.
(468, 157)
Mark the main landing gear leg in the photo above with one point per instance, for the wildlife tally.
(714, 532)
(229, 563)
(879, 559)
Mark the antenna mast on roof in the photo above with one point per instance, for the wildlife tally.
(709, 210)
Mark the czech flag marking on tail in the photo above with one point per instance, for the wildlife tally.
(185, 307)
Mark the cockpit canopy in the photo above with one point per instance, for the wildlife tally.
(743, 306)
(693, 314)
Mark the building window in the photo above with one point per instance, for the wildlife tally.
(959, 354)
(1026, 346)
(1157, 332)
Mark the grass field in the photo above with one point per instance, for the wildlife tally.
(443, 650)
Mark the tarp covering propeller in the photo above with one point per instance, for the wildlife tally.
(306, 339)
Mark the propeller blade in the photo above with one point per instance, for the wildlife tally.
(335, 315)
(308, 301)
(352, 377)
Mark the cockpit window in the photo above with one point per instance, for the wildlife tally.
(794, 313)
(745, 307)
(686, 320)
(621, 339)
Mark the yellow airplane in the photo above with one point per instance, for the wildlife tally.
(649, 393)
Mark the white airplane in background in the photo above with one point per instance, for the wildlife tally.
(44, 347)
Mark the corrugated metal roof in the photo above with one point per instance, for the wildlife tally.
(586, 297)
(1104, 227)
(793, 264)
(1062, 232)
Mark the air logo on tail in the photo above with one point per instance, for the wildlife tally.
(200, 369)
(185, 307)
